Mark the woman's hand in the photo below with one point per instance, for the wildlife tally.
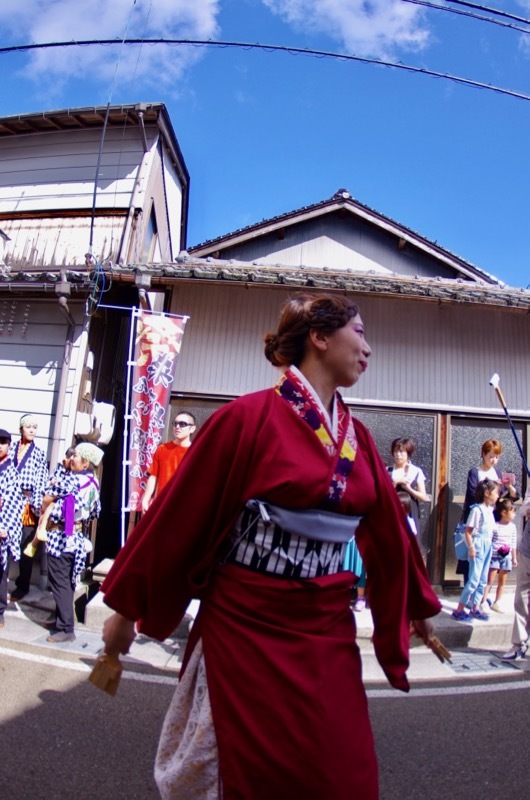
(471, 552)
(422, 628)
(118, 635)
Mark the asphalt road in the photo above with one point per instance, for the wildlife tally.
(455, 746)
(62, 738)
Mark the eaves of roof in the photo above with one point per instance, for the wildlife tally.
(45, 281)
(343, 200)
(72, 118)
(190, 269)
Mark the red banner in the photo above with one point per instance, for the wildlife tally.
(157, 344)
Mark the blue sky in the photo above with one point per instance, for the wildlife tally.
(264, 133)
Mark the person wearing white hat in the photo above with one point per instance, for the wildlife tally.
(30, 461)
(75, 498)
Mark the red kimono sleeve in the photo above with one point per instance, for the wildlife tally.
(167, 558)
(399, 587)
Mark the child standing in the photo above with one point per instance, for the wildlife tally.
(406, 502)
(504, 550)
(479, 534)
(58, 475)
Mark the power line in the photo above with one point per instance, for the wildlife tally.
(470, 15)
(273, 48)
(495, 11)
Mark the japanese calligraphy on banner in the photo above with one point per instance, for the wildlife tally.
(156, 347)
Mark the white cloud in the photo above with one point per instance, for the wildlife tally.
(362, 27)
(28, 21)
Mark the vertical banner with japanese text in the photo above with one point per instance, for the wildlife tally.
(157, 345)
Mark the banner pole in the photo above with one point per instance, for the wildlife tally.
(126, 428)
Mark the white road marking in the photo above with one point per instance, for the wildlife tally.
(86, 668)
(441, 691)
(480, 688)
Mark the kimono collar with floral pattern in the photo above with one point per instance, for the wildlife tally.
(296, 391)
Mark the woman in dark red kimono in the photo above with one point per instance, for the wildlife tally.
(271, 702)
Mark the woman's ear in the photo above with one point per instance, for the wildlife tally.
(319, 340)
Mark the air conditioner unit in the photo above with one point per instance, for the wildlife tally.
(96, 426)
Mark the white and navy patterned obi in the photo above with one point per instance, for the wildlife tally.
(11, 505)
(272, 550)
(33, 471)
(83, 489)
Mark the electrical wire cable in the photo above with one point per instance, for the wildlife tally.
(470, 15)
(496, 11)
(272, 48)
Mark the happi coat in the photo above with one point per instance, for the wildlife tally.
(11, 505)
(283, 670)
(33, 471)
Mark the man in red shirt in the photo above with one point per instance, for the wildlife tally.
(168, 456)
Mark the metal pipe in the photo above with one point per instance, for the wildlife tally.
(61, 393)
(142, 130)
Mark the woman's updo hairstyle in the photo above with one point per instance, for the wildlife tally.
(302, 313)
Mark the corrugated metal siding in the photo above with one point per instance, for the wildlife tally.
(445, 355)
(57, 170)
(60, 241)
(30, 362)
(424, 355)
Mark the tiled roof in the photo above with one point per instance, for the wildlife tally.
(44, 280)
(188, 268)
(344, 199)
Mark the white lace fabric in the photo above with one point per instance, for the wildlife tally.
(187, 764)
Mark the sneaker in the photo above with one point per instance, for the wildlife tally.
(360, 604)
(61, 636)
(496, 607)
(517, 653)
(478, 614)
(461, 616)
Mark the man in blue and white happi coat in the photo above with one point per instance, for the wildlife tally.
(32, 467)
(10, 516)
(75, 498)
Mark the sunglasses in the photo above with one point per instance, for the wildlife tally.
(181, 424)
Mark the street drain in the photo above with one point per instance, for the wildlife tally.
(466, 662)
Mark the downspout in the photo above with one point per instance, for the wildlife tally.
(63, 290)
(142, 129)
